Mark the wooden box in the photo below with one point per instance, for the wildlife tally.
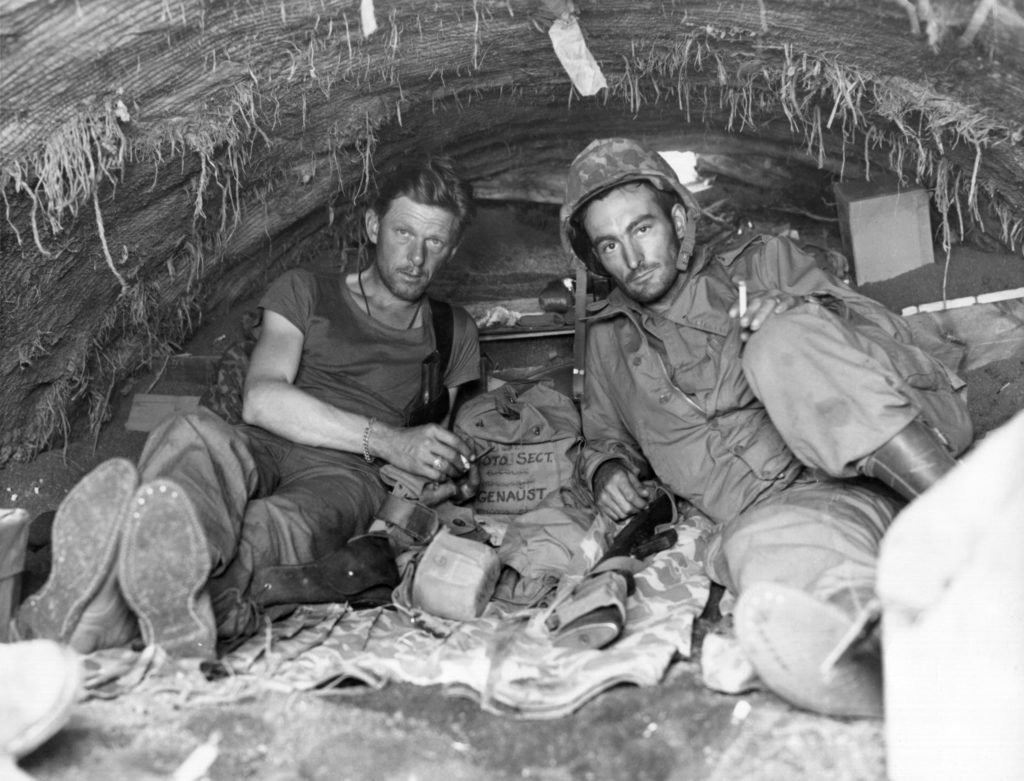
(886, 229)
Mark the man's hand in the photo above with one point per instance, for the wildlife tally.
(430, 451)
(467, 486)
(760, 307)
(461, 489)
(617, 490)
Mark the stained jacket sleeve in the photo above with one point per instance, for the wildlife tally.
(605, 436)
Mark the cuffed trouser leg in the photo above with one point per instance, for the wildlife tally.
(819, 537)
(214, 464)
(323, 500)
(262, 501)
(837, 392)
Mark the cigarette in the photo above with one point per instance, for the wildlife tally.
(743, 297)
(467, 462)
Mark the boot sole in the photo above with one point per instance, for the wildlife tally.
(163, 568)
(787, 635)
(86, 529)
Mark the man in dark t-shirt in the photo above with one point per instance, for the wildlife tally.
(350, 372)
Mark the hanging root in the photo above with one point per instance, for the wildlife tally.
(7, 215)
(103, 240)
(916, 125)
(33, 221)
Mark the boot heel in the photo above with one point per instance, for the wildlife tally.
(163, 569)
(86, 530)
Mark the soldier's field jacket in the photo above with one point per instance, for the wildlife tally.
(668, 394)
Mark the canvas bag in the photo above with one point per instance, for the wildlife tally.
(535, 432)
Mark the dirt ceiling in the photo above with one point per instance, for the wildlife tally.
(159, 157)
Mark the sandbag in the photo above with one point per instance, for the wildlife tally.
(535, 432)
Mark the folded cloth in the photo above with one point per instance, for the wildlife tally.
(505, 661)
(539, 546)
(407, 485)
(541, 320)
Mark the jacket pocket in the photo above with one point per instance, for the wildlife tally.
(758, 445)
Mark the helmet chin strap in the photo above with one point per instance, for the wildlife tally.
(689, 239)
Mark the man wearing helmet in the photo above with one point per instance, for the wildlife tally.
(800, 425)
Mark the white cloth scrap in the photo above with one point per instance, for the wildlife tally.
(368, 18)
(567, 38)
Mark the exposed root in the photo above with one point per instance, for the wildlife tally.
(101, 230)
(816, 94)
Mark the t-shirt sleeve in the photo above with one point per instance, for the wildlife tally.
(464, 364)
(291, 295)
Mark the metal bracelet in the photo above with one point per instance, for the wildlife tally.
(366, 440)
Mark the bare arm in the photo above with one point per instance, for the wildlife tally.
(271, 401)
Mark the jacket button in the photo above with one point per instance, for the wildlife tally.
(637, 361)
(664, 398)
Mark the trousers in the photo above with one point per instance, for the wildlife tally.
(836, 391)
(262, 501)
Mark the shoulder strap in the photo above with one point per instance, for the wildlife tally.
(579, 344)
(443, 320)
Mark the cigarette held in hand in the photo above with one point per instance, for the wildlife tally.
(467, 462)
(743, 297)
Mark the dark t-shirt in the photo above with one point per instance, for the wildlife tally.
(356, 363)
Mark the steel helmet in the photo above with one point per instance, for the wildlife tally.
(607, 163)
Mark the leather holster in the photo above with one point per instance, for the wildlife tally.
(362, 573)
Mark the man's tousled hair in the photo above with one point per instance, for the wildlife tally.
(431, 181)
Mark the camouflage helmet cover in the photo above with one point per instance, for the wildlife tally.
(605, 164)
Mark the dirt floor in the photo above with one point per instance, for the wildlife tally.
(675, 731)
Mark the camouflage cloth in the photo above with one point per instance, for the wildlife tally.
(224, 395)
(505, 660)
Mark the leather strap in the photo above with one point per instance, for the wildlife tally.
(618, 564)
(443, 320)
(579, 344)
(409, 523)
(431, 403)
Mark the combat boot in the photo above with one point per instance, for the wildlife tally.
(81, 603)
(911, 462)
(799, 646)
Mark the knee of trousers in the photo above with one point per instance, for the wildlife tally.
(179, 432)
(787, 334)
(805, 543)
(203, 421)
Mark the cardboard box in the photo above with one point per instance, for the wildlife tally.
(886, 229)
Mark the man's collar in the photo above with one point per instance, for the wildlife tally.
(681, 310)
